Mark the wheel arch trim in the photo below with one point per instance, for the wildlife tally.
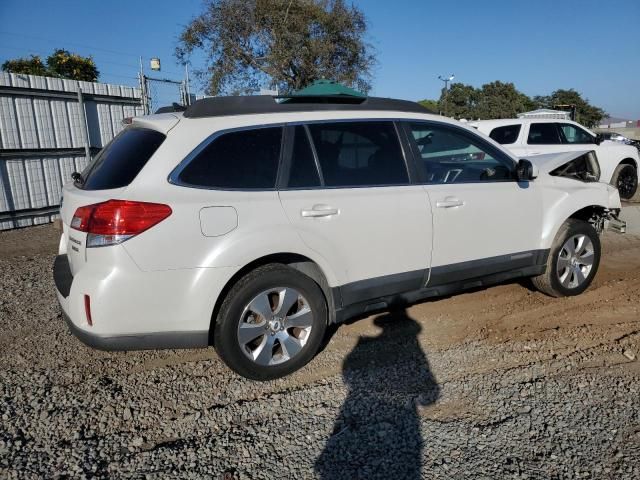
(299, 262)
(584, 213)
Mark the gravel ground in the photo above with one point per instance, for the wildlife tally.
(495, 383)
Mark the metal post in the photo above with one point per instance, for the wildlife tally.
(143, 90)
(446, 89)
(83, 113)
(188, 90)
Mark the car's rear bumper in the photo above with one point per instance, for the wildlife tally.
(71, 299)
(150, 341)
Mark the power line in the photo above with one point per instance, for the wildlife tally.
(44, 54)
(115, 52)
(99, 63)
(89, 47)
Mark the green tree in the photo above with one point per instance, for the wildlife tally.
(501, 100)
(431, 105)
(586, 114)
(64, 64)
(492, 100)
(27, 66)
(460, 101)
(283, 43)
(61, 63)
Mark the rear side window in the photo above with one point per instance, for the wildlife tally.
(246, 159)
(505, 135)
(353, 154)
(543, 134)
(121, 160)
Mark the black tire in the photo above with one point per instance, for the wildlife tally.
(625, 179)
(549, 282)
(256, 282)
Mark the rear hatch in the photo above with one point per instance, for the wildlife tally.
(108, 175)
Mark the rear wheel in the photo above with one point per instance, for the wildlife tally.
(271, 323)
(573, 260)
(625, 179)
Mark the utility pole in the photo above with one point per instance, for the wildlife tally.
(143, 90)
(446, 81)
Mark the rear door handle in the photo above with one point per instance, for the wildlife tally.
(449, 202)
(319, 211)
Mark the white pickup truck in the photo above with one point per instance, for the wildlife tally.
(529, 137)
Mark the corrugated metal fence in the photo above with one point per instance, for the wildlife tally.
(49, 128)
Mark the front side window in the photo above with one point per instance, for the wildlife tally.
(543, 134)
(352, 154)
(454, 156)
(245, 159)
(505, 135)
(573, 134)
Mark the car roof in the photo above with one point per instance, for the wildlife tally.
(519, 121)
(262, 104)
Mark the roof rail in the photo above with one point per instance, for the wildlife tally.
(257, 104)
(174, 107)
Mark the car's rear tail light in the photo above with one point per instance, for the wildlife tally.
(114, 221)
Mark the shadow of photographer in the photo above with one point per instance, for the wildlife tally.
(377, 432)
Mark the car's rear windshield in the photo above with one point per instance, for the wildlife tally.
(118, 163)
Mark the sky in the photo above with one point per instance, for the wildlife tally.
(540, 45)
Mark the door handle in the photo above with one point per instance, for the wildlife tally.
(449, 202)
(319, 211)
(535, 153)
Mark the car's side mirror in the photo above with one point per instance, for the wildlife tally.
(598, 139)
(526, 171)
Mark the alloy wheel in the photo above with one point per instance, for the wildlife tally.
(275, 326)
(627, 183)
(575, 261)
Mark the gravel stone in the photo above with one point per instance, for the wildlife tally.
(496, 383)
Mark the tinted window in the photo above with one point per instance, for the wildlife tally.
(118, 163)
(454, 156)
(543, 134)
(359, 153)
(303, 172)
(573, 134)
(242, 159)
(505, 135)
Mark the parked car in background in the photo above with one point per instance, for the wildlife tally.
(617, 137)
(527, 137)
(252, 225)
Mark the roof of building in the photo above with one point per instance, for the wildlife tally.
(257, 104)
(608, 120)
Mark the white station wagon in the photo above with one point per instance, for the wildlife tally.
(250, 224)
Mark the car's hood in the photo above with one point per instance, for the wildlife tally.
(550, 161)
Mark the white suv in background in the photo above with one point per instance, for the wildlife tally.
(251, 224)
(528, 137)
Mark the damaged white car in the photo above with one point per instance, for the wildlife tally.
(252, 224)
(528, 137)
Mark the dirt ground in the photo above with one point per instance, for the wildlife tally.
(487, 351)
(608, 311)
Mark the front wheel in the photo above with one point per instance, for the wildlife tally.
(271, 323)
(625, 179)
(573, 260)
